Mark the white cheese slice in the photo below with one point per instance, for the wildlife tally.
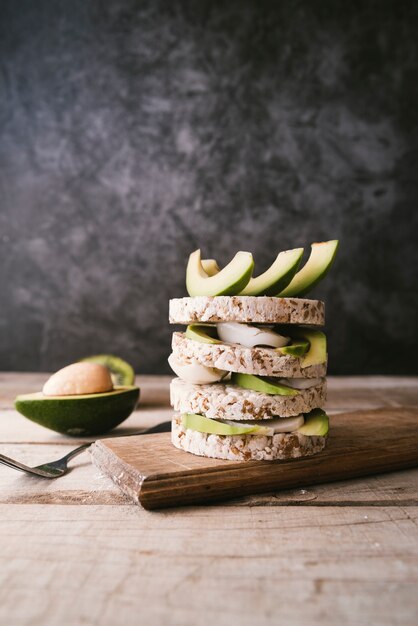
(250, 336)
(195, 373)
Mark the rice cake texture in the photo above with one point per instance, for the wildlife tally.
(237, 358)
(227, 401)
(247, 309)
(281, 446)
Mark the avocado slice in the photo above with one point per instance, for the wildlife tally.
(278, 275)
(296, 348)
(262, 384)
(317, 352)
(229, 281)
(316, 424)
(206, 425)
(315, 269)
(204, 334)
(121, 372)
(210, 266)
(90, 414)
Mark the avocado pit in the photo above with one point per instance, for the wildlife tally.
(78, 379)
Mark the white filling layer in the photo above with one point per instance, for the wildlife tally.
(250, 336)
(195, 373)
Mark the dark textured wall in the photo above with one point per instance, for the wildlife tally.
(133, 132)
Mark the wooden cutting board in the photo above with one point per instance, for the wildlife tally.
(154, 473)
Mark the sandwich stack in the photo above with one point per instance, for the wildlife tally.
(251, 364)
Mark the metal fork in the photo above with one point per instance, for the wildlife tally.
(55, 469)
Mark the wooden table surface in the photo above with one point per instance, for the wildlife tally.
(76, 551)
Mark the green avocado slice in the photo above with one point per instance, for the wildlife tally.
(316, 424)
(206, 425)
(210, 266)
(317, 266)
(90, 414)
(296, 348)
(229, 281)
(278, 275)
(201, 333)
(317, 352)
(262, 384)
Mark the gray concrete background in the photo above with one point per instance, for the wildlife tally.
(133, 132)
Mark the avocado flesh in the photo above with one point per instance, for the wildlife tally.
(210, 266)
(229, 281)
(296, 348)
(315, 269)
(201, 333)
(278, 275)
(262, 384)
(316, 424)
(203, 424)
(317, 352)
(90, 414)
(121, 372)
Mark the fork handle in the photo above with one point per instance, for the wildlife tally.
(5, 460)
(77, 451)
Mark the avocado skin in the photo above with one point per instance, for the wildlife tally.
(80, 415)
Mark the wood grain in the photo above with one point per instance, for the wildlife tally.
(155, 474)
(76, 551)
(90, 565)
(84, 485)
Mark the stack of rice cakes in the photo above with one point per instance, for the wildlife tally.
(263, 402)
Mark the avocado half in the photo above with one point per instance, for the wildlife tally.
(90, 414)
